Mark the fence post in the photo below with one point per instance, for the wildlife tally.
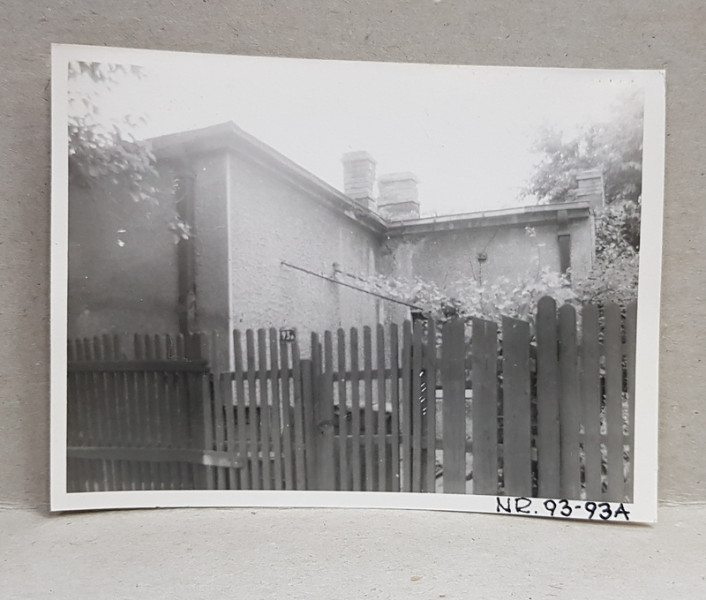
(484, 353)
(591, 400)
(612, 343)
(324, 420)
(570, 408)
(548, 440)
(630, 351)
(453, 382)
(517, 427)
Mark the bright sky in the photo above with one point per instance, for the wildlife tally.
(465, 132)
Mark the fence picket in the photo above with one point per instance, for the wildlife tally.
(382, 410)
(276, 424)
(219, 416)
(430, 404)
(417, 398)
(569, 407)
(298, 387)
(548, 431)
(311, 373)
(630, 354)
(484, 406)
(406, 407)
(287, 418)
(591, 400)
(343, 483)
(265, 426)
(614, 403)
(394, 407)
(326, 459)
(517, 425)
(369, 423)
(453, 378)
(355, 413)
(253, 417)
(243, 442)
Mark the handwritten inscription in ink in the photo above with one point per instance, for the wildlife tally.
(581, 509)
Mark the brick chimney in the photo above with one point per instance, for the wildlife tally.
(359, 178)
(591, 189)
(398, 199)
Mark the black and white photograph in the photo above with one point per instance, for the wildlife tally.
(297, 282)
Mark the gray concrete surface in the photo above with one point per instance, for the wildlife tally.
(348, 554)
(345, 553)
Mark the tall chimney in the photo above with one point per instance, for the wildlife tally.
(591, 189)
(398, 199)
(359, 178)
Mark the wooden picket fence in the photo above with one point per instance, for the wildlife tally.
(466, 407)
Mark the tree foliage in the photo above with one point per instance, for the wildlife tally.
(104, 149)
(490, 300)
(613, 146)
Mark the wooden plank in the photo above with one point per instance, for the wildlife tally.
(102, 409)
(225, 390)
(517, 442)
(395, 407)
(630, 355)
(591, 400)
(369, 423)
(569, 404)
(253, 420)
(169, 417)
(406, 407)
(155, 455)
(453, 382)
(201, 350)
(110, 415)
(138, 366)
(298, 388)
(219, 425)
(275, 421)
(326, 449)
(430, 404)
(343, 479)
(311, 370)
(417, 399)
(287, 417)
(174, 383)
(182, 389)
(382, 411)
(245, 471)
(484, 407)
(614, 403)
(122, 396)
(72, 480)
(356, 479)
(163, 422)
(75, 402)
(265, 425)
(548, 431)
(141, 412)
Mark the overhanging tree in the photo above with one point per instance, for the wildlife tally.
(615, 148)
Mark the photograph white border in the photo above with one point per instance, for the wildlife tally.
(644, 507)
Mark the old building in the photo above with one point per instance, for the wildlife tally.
(271, 245)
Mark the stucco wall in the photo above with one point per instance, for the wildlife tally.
(449, 258)
(271, 220)
(122, 264)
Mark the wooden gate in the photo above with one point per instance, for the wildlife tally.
(523, 409)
